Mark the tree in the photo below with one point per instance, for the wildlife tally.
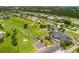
(13, 36)
(1, 27)
(48, 38)
(49, 27)
(68, 42)
(42, 26)
(7, 34)
(41, 41)
(68, 22)
(77, 50)
(63, 45)
(25, 26)
(14, 42)
(6, 17)
(14, 32)
(1, 39)
(50, 33)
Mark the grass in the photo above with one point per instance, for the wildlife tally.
(38, 32)
(74, 20)
(17, 23)
(49, 43)
(68, 47)
(32, 30)
(75, 35)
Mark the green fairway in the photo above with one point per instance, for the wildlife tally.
(16, 23)
(27, 34)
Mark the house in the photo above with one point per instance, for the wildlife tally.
(1, 32)
(59, 35)
(77, 31)
(62, 18)
(2, 36)
(50, 18)
(63, 38)
(56, 33)
(1, 17)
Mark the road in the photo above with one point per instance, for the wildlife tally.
(49, 49)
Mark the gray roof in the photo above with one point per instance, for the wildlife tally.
(60, 36)
(57, 33)
(63, 38)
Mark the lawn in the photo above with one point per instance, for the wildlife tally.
(75, 35)
(17, 23)
(74, 20)
(33, 30)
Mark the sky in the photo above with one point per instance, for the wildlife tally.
(39, 2)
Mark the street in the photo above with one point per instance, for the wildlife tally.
(49, 49)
